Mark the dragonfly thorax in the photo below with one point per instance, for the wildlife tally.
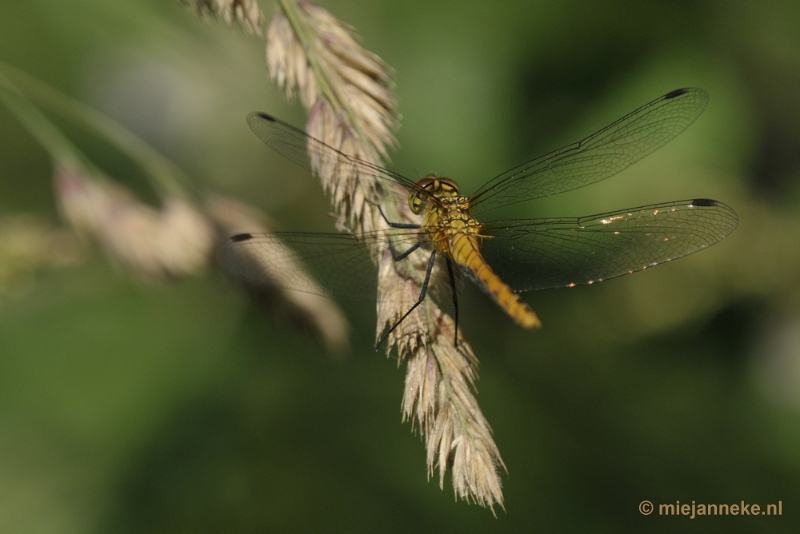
(434, 186)
(446, 219)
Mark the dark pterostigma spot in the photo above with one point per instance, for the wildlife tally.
(704, 202)
(263, 115)
(676, 92)
(241, 237)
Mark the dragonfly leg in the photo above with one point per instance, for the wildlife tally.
(395, 224)
(422, 293)
(403, 255)
(454, 295)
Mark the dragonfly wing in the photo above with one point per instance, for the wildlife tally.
(563, 252)
(332, 265)
(314, 155)
(597, 157)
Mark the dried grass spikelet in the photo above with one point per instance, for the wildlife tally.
(244, 13)
(353, 193)
(174, 242)
(438, 399)
(96, 210)
(313, 54)
(309, 311)
(186, 238)
(349, 93)
(287, 64)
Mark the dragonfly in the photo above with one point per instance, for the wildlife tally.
(503, 257)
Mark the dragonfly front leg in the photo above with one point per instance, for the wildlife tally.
(395, 224)
(422, 293)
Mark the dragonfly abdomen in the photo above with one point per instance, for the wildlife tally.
(465, 252)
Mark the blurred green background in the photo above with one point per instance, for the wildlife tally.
(132, 407)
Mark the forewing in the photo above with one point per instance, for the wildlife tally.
(299, 147)
(563, 252)
(597, 157)
(332, 265)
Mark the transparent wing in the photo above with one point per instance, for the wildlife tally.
(597, 157)
(563, 252)
(332, 265)
(299, 147)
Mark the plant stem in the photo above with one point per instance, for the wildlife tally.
(165, 176)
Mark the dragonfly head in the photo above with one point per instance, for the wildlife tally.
(436, 186)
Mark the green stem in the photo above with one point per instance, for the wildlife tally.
(165, 176)
(60, 148)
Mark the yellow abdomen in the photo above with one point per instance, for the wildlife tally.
(465, 252)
